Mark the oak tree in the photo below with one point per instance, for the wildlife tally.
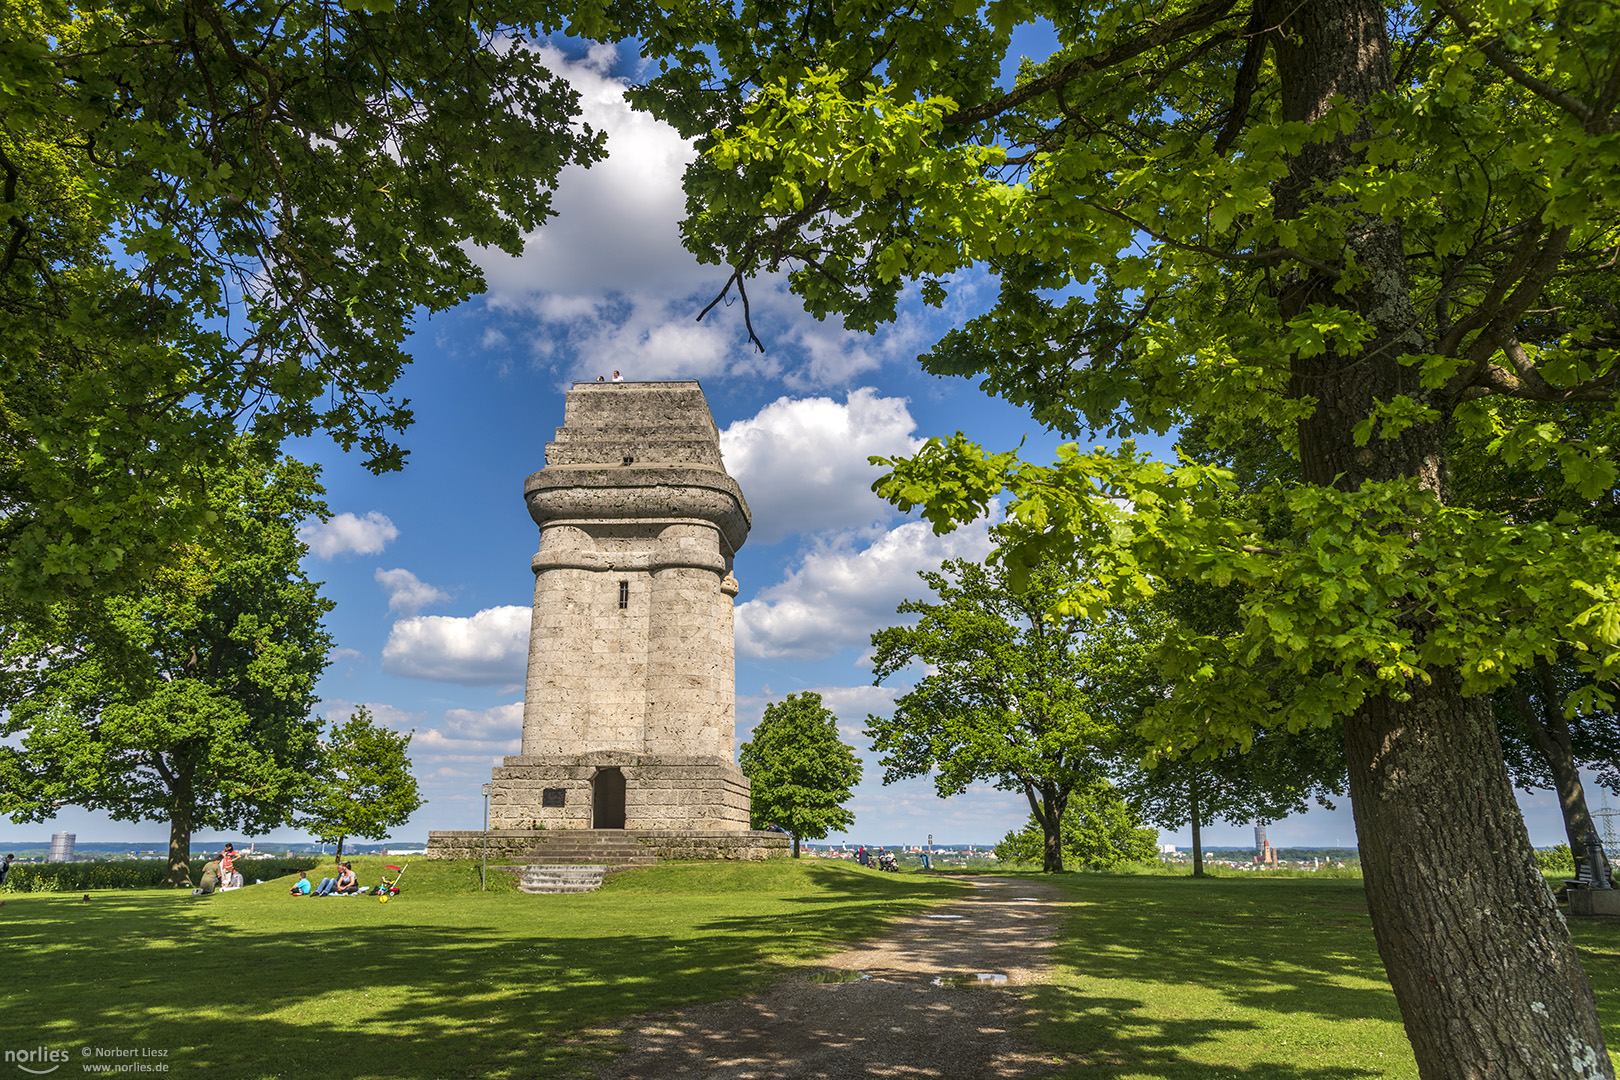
(187, 697)
(361, 783)
(1012, 693)
(801, 771)
(1355, 225)
(1545, 744)
(216, 216)
(1278, 775)
(1100, 831)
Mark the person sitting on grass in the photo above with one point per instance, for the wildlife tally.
(326, 886)
(210, 879)
(301, 886)
(347, 883)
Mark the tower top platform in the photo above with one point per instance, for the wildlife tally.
(641, 450)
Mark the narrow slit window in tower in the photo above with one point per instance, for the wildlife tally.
(624, 595)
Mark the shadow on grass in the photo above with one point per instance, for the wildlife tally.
(501, 986)
(1598, 940)
(1298, 950)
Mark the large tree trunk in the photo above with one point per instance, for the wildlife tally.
(1481, 964)
(180, 844)
(1488, 982)
(339, 856)
(1549, 731)
(1048, 812)
(1197, 828)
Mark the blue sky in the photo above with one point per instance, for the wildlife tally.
(429, 568)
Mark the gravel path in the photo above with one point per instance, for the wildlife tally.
(920, 1010)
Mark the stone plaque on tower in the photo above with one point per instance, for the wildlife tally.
(629, 704)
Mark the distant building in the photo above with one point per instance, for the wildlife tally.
(1261, 844)
(61, 847)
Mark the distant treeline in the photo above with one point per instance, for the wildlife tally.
(134, 874)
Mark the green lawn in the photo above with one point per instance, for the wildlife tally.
(441, 982)
(1159, 977)
(1261, 978)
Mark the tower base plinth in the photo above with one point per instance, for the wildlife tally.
(619, 790)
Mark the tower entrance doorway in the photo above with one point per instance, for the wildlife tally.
(607, 799)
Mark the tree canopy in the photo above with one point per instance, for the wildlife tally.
(361, 784)
(216, 216)
(1279, 775)
(187, 698)
(801, 771)
(1353, 225)
(1100, 831)
(1013, 693)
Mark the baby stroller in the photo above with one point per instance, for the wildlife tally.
(888, 863)
(390, 886)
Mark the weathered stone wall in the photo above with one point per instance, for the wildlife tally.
(693, 845)
(669, 844)
(631, 662)
(504, 844)
(661, 792)
(634, 509)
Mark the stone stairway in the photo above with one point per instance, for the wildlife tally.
(561, 879)
(593, 847)
(575, 860)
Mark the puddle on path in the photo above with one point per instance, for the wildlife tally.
(944, 916)
(981, 978)
(837, 976)
(1035, 898)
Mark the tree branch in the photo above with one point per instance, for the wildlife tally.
(1248, 77)
(1161, 34)
(1505, 64)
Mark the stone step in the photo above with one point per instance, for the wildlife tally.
(587, 846)
(647, 405)
(633, 433)
(613, 849)
(535, 854)
(544, 879)
(583, 860)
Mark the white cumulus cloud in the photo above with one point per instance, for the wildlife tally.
(407, 592)
(851, 704)
(389, 716)
(346, 533)
(606, 284)
(486, 649)
(616, 224)
(841, 593)
(501, 722)
(802, 463)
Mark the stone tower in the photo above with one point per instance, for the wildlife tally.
(629, 705)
